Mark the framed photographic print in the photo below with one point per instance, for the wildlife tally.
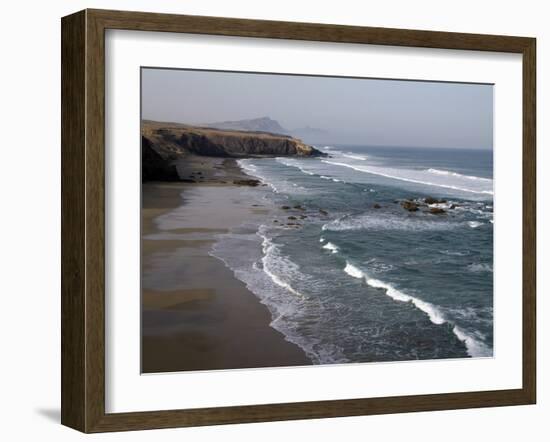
(270, 220)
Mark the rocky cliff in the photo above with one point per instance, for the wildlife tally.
(171, 141)
(154, 167)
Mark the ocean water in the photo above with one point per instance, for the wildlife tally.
(355, 283)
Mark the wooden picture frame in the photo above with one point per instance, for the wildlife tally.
(83, 220)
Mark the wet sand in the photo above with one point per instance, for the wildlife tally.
(195, 314)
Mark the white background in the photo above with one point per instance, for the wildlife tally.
(29, 252)
(128, 391)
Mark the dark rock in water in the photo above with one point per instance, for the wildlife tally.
(275, 221)
(396, 201)
(323, 212)
(303, 216)
(299, 207)
(453, 206)
(411, 206)
(436, 211)
(249, 182)
(430, 200)
(292, 217)
(285, 207)
(377, 206)
(155, 167)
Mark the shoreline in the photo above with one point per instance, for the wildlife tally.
(196, 315)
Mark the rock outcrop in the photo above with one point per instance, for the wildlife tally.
(250, 182)
(173, 140)
(411, 206)
(431, 200)
(154, 167)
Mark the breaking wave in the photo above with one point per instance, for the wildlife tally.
(475, 347)
(331, 247)
(419, 177)
(459, 175)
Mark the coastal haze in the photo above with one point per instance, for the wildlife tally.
(294, 220)
(328, 109)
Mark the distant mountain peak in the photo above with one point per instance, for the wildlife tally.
(261, 124)
(267, 124)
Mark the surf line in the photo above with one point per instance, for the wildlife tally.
(473, 346)
(410, 180)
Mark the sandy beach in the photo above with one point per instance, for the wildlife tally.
(195, 314)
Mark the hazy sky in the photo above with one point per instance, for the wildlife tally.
(353, 111)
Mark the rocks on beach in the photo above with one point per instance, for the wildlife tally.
(430, 200)
(247, 182)
(431, 204)
(411, 206)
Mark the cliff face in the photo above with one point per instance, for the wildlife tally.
(153, 166)
(172, 140)
(241, 144)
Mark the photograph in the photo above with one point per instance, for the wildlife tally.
(292, 220)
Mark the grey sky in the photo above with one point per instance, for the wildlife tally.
(353, 111)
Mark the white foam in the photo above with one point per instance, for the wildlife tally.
(353, 271)
(459, 175)
(433, 313)
(387, 222)
(475, 224)
(273, 261)
(276, 185)
(331, 247)
(475, 348)
(355, 157)
(453, 253)
(380, 267)
(417, 177)
(477, 268)
(247, 166)
(294, 163)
